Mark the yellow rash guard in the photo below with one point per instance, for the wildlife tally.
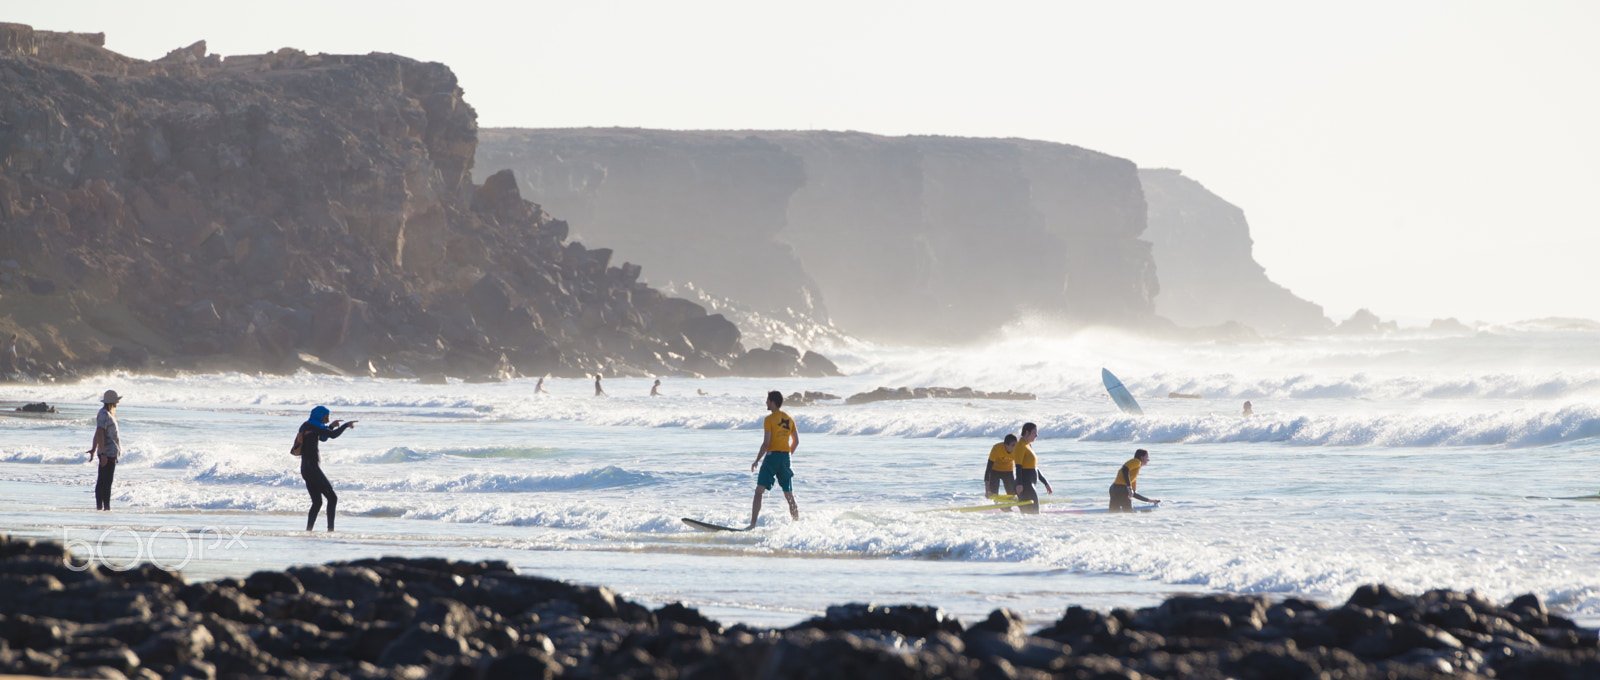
(1000, 459)
(1129, 474)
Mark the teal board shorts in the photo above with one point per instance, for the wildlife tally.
(776, 467)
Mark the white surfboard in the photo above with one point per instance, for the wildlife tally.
(1120, 394)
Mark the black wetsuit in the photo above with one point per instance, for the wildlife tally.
(311, 469)
(1026, 478)
(994, 480)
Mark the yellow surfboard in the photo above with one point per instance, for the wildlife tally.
(976, 508)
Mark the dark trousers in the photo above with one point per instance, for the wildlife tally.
(102, 485)
(1120, 502)
(317, 484)
(994, 479)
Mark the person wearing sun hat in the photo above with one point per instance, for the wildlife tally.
(108, 443)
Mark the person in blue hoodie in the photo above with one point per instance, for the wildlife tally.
(317, 429)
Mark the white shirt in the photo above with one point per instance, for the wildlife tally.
(111, 446)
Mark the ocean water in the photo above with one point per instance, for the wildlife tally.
(1404, 459)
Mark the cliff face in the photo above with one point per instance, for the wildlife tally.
(910, 239)
(197, 209)
(704, 208)
(1208, 275)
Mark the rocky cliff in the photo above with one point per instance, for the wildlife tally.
(700, 207)
(906, 239)
(210, 212)
(1208, 274)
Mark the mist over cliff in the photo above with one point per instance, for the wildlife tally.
(906, 239)
(1203, 256)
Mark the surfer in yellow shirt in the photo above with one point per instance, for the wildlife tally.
(1028, 470)
(1127, 481)
(779, 440)
(998, 468)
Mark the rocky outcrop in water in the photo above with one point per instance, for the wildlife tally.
(289, 210)
(1208, 275)
(907, 393)
(907, 239)
(434, 618)
(1364, 322)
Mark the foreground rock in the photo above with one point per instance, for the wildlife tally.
(416, 618)
(291, 211)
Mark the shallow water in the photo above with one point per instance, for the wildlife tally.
(1403, 460)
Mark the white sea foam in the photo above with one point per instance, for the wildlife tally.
(609, 477)
(1402, 460)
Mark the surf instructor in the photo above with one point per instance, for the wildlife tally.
(778, 441)
(1028, 470)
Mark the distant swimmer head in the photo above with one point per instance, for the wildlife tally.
(775, 399)
(319, 414)
(1030, 432)
(1142, 455)
(1011, 439)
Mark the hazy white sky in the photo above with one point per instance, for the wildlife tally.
(1422, 159)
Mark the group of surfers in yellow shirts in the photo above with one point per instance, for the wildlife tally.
(1013, 466)
(1011, 463)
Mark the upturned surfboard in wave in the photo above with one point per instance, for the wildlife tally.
(1120, 394)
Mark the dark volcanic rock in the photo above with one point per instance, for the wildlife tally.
(807, 398)
(40, 286)
(768, 363)
(912, 621)
(242, 212)
(815, 365)
(430, 617)
(712, 334)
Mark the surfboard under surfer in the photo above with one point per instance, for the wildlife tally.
(779, 439)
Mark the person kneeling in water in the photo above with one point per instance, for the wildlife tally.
(317, 429)
(1127, 480)
(997, 469)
